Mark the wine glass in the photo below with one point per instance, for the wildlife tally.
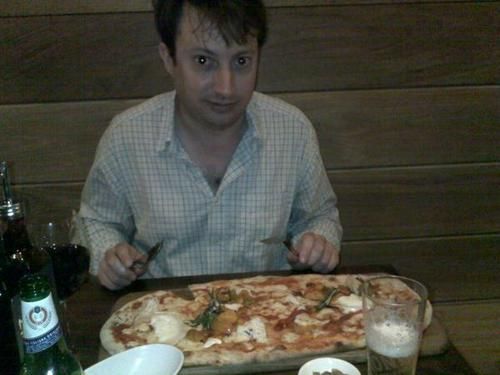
(70, 261)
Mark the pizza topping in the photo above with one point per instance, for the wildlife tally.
(328, 298)
(145, 310)
(233, 306)
(143, 327)
(288, 321)
(125, 335)
(290, 337)
(305, 320)
(350, 303)
(224, 323)
(211, 341)
(254, 329)
(168, 327)
(293, 300)
(333, 372)
(197, 335)
(223, 295)
(207, 317)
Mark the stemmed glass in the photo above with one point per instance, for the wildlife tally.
(70, 261)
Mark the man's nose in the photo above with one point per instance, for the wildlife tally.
(223, 81)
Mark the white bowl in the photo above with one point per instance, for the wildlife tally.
(154, 359)
(327, 364)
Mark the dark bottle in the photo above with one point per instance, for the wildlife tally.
(9, 352)
(12, 224)
(24, 258)
(45, 349)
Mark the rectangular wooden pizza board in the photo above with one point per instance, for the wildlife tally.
(434, 342)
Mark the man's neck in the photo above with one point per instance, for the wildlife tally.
(210, 149)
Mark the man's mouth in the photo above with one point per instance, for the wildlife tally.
(221, 106)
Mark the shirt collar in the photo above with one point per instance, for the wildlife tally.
(167, 120)
(254, 121)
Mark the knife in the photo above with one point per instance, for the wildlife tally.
(274, 241)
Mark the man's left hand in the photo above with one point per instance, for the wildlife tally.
(315, 252)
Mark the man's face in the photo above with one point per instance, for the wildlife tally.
(214, 81)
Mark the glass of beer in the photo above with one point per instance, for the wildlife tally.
(393, 308)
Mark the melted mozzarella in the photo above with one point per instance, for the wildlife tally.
(233, 306)
(305, 320)
(290, 337)
(350, 303)
(211, 341)
(254, 329)
(293, 300)
(148, 308)
(168, 327)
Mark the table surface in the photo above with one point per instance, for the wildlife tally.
(88, 309)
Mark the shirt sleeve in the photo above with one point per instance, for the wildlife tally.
(315, 204)
(105, 218)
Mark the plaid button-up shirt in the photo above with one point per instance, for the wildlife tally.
(143, 187)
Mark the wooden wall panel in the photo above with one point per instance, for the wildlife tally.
(56, 141)
(77, 57)
(55, 7)
(473, 259)
(418, 202)
(371, 128)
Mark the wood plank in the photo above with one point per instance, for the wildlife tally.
(473, 328)
(60, 58)
(404, 127)
(44, 203)
(374, 204)
(438, 262)
(355, 129)
(54, 7)
(54, 141)
(416, 202)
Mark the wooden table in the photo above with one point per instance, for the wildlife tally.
(90, 307)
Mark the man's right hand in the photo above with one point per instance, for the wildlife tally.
(115, 268)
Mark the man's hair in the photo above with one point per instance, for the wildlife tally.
(234, 19)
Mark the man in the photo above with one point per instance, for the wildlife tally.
(222, 174)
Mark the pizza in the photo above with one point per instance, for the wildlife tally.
(256, 319)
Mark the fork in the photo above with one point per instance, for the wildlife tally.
(139, 265)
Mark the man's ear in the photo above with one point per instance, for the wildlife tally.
(168, 61)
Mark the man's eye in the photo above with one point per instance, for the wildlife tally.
(243, 61)
(201, 60)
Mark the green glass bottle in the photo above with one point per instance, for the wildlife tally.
(45, 349)
(9, 351)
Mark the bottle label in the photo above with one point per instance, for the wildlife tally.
(41, 328)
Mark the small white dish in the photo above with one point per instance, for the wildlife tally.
(327, 364)
(153, 359)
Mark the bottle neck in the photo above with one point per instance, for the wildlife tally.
(42, 332)
(4, 260)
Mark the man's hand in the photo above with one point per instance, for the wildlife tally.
(114, 270)
(315, 252)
